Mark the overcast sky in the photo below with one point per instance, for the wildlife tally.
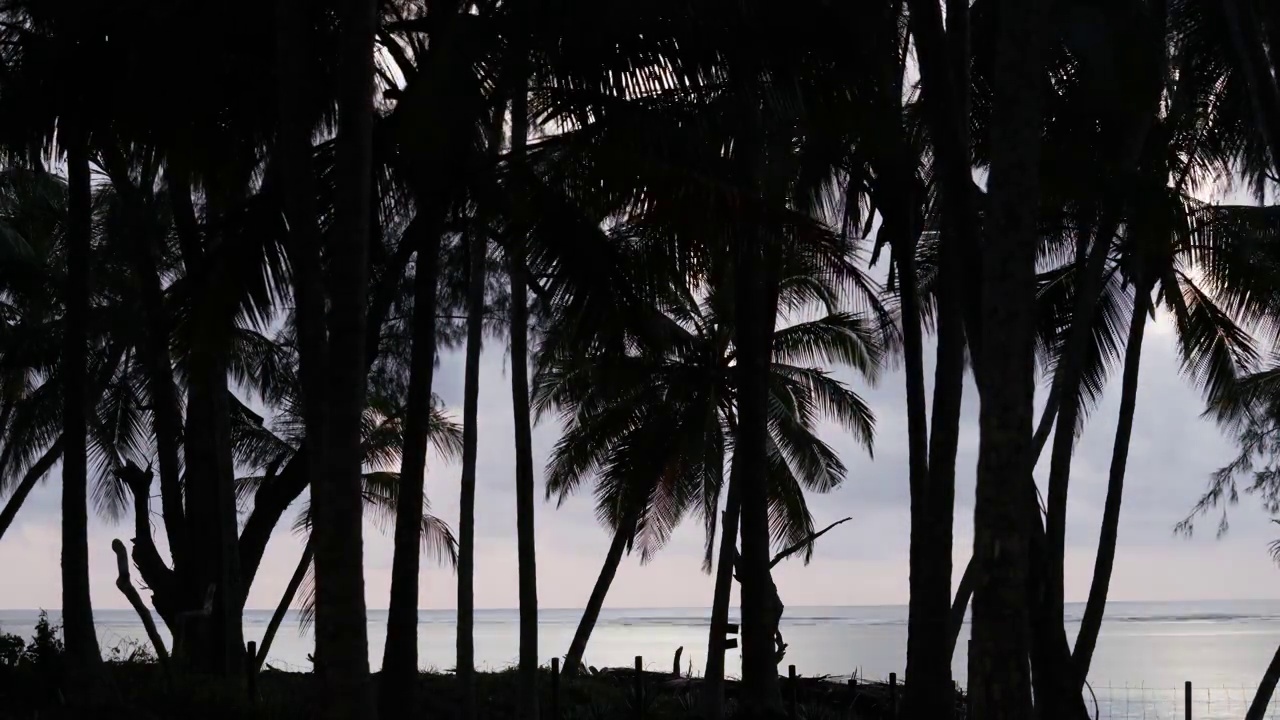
(863, 562)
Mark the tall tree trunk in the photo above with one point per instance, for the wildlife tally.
(931, 571)
(77, 608)
(467, 512)
(1053, 673)
(34, 474)
(922, 662)
(227, 630)
(756, 312)
(400, 655)
(999, 676)
(621, 539)
(525, 544)
(933, 475)
(342, 643)
(1091, 623)
(713, 678)
(286, 601)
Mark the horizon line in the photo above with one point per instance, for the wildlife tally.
(690, 607)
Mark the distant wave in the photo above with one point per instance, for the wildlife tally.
(1193, 618)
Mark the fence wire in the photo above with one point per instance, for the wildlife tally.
(1140, 702)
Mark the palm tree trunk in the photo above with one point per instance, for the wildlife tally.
(400, 654)
(467, 511)
(573, 660)
(525, 545)
(342, 643)
(38, 470)
(1262, 699)
(999, 676)
(1053, 672)
(922, 662)
(1091, 623)
(77, 607)
(286, 601)
(713, 678)
(934, 688)
(756, 308)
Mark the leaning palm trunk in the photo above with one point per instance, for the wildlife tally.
(578, 648)
(77, 608)
(400, 655)
(286, 601)
(342, 645)
(713, 693)
(1091, 623)
(1262, 699)
(525, 545)
(999, 676)
(34, 474)
(467, 512)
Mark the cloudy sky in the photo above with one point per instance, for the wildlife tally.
(863, 562)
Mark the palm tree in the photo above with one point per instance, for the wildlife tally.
(401, 652)
(999, 679)
(477, 246)
(525, 536)
(386, 424)
(621, 407)
(342, 648)
(35, 34)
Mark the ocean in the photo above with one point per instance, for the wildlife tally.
(1145, 654)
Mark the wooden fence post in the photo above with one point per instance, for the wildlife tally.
(791, 677)
(1187, 700)
(555, 688)
(250, 671)
(893, 695)
(639, 688)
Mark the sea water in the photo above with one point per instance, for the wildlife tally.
(1145, 654)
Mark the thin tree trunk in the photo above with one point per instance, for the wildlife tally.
(578, 648)
(125, 585)
(999, 676)
(935, 697)
(77, 607)
(38, 470)
(342, 643)
(1053, 673)
(922, 663)
(526, 549)
(964, 591)
(1067, 384)
(1262, 699)
(931, 571)
(713, 678)
(286, 601)
(1091, 623)
(467, 511)
(400, 654)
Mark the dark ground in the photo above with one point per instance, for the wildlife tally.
(140, 691)
(34, 685)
